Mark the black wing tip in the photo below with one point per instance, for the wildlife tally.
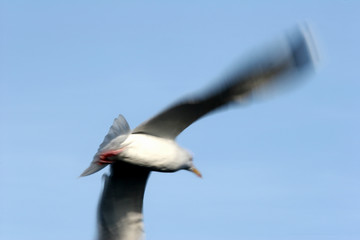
(303, 48)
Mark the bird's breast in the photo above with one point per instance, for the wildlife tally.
(159, 154)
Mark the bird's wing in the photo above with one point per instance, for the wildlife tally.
(120, 127)
(281, 63)
(120, 208)
(117, 134)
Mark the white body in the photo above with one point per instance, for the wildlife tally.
(156, 153)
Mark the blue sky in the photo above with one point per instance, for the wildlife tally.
(281, 168)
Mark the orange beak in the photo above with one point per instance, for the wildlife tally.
(194, 170)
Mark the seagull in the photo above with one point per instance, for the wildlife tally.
(133, 154)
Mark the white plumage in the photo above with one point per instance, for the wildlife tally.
(158, 154)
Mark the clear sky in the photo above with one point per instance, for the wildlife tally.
(281, 168)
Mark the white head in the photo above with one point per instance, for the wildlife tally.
(187, 162)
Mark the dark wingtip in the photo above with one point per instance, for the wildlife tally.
(303, 47)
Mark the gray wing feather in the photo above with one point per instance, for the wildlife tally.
(120, 208)
(283, 63)
(117, 134)
(119, 127)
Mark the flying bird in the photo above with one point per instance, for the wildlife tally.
(151, 146)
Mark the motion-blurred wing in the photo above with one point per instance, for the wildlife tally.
(281, 63)
(120, 213)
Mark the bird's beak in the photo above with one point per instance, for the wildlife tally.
(194, 170)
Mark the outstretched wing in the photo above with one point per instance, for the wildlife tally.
(120, 208)
(281, 63)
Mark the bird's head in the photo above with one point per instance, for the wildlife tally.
(189, 164)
